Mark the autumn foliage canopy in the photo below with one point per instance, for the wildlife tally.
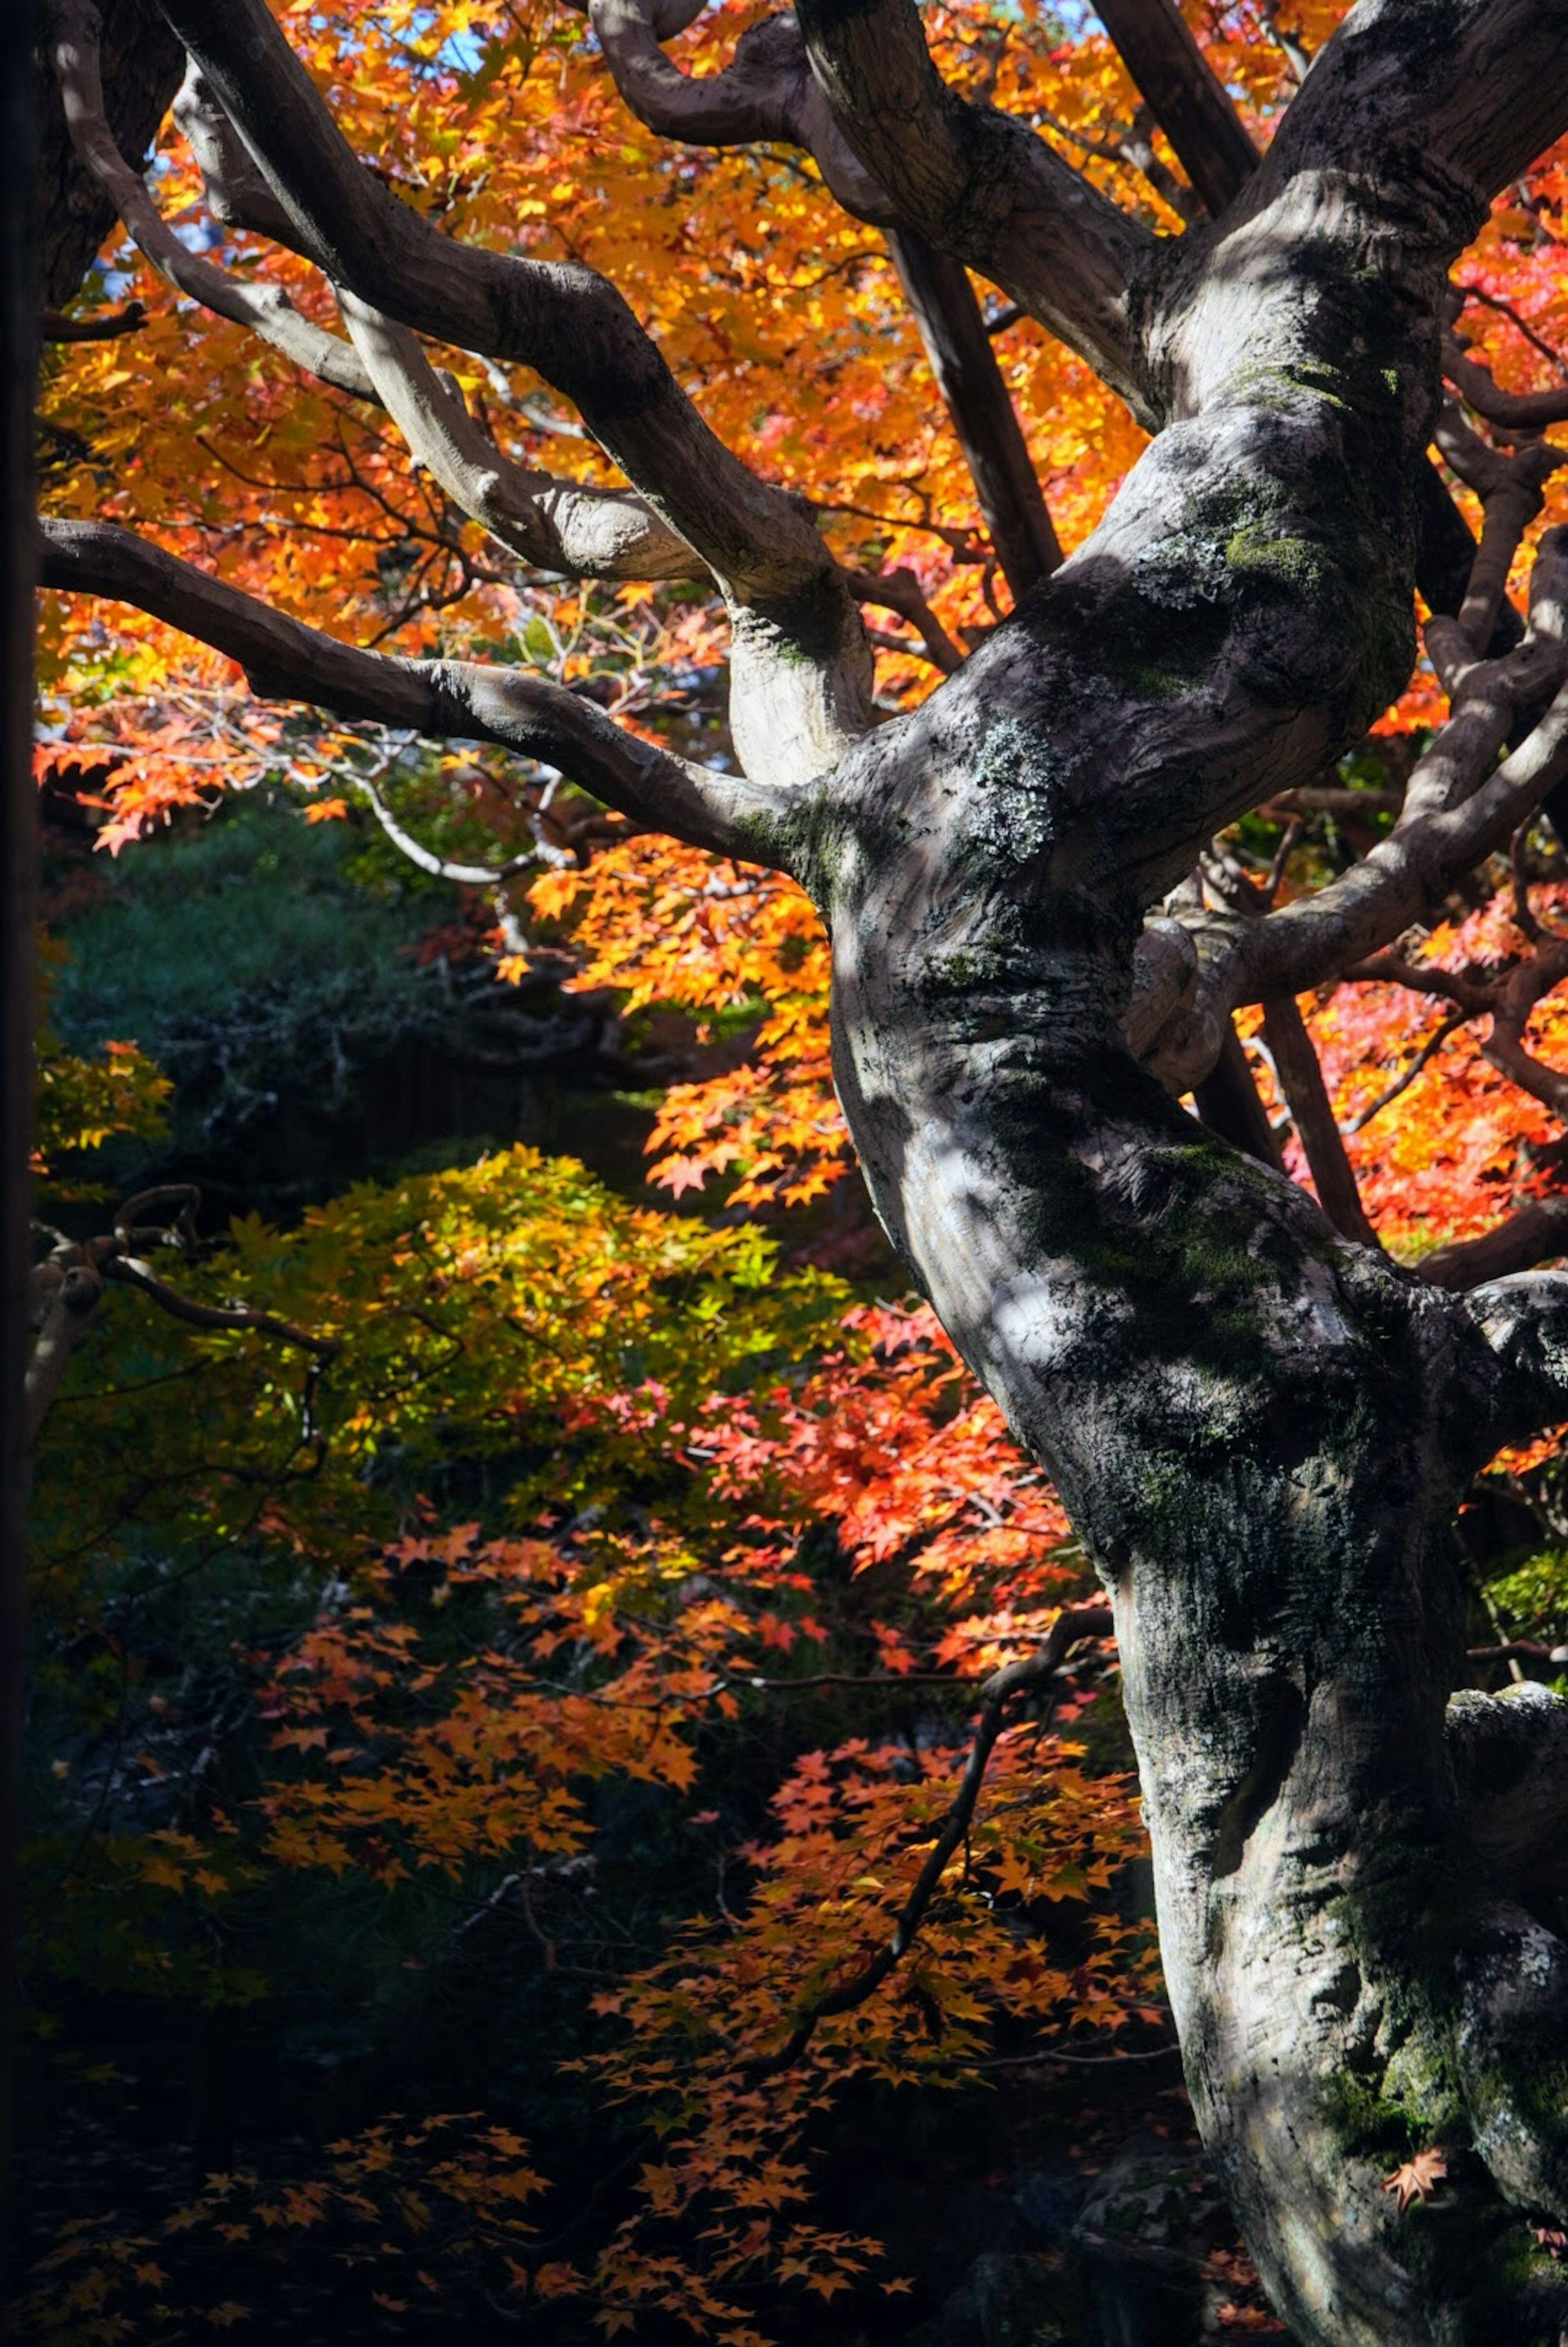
(542, 1640)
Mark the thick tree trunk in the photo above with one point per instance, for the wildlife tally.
(1258, 1427)
(1259, 1430)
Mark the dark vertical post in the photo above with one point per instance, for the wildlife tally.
(18, 374)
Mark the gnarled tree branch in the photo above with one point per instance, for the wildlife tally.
(983, 188)
(801, 666)
(768, 93)
(444, 700)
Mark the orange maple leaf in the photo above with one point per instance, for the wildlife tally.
(1417, 2177)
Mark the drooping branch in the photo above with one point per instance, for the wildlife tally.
(67, 1286)
(444, 700)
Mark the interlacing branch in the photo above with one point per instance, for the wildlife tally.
(768, 93)
(1462, 804)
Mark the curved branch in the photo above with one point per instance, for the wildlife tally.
(558, 526)
(1534, 1233)
(983, 188)
(1314, 938)
(265, 309)
(445, 699)
(565, 321)
(802, 668)
(439, 868)
(580, 532)
(133, 1273)
(900, 590)
(768, 93)
(1521, 411)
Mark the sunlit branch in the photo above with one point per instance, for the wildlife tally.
(443, 700)
(439, 868)
(980, 186)
(575, 531)
(768, 93)
(265, 309)
(563, 319)
(1182, 92)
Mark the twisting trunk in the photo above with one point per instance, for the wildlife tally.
(1260, 1431)
(1259, 1428)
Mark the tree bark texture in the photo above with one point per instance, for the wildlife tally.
(1258, 1423)
(143, 62)
(1259, 1428)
